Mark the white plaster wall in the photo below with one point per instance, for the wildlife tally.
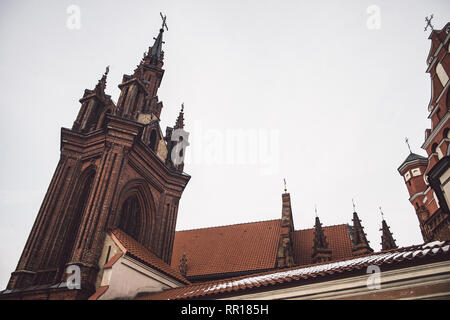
(446, 187)
(127, 278)
(102, 261)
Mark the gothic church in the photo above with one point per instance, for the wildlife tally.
(111, 209)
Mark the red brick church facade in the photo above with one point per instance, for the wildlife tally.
(115, 192)
(113, 171)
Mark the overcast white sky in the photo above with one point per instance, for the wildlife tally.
(330, 100)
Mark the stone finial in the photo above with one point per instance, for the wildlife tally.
(183, 264)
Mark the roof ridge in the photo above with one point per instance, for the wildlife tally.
(228, 225)
(217, 286)
(331, 225)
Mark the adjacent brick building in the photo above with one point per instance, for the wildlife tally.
(427, 177)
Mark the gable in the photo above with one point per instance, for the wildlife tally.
(137, 251)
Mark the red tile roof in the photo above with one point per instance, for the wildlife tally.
(112, 261)
(338, 240)
(100, 291)
(228, 249)
(298, 274)
(141, 253)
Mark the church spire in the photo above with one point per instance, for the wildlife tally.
(179, 124)
(360, 242)
(321, 252)
(139, 92)
(387, 240)
(155, 52)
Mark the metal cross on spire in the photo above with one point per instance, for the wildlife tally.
(315, 209)
(407, 143)
(164, 24)
(428, 21)
(382, 214)
(354, 206)
(285, 188)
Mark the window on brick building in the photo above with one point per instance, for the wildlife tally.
(415, 172)
(152, 143)
(130, 216)
(442, 75)
(434, 147)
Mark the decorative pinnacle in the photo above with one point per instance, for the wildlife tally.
(101, 85)
(183, 264)
(285, 188)
(179, 124)
(407, 143)
(428, 21)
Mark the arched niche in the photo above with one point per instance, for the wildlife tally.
(135, 211)
(153, 137)
(102, 120)
(72, 220)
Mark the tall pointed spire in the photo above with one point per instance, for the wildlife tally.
(321, 252)
(138, 99)
(180, 120)
(387, 240)
(360, 242)
(155, 52)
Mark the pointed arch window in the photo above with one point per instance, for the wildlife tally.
(130, 214)
(135, 209)
(152, 143)
(73, 219)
